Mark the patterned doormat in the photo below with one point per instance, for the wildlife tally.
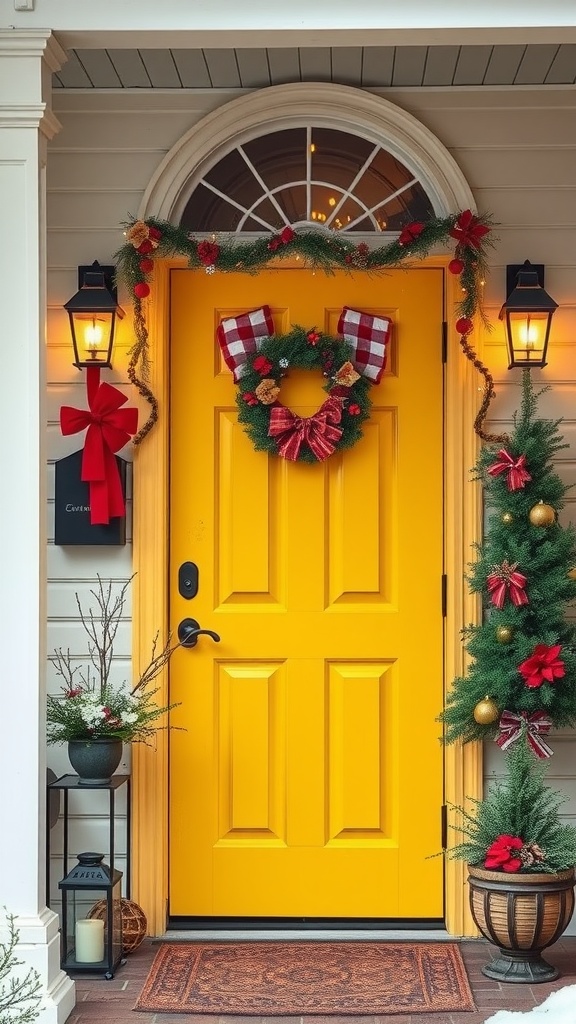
(303, 978)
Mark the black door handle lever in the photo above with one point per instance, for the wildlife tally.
(189, 631)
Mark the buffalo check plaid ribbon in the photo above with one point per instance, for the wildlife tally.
(240, 337)
(367, 336)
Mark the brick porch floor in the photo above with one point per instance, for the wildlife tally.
(111, 1002)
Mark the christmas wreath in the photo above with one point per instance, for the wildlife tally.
(273, 427)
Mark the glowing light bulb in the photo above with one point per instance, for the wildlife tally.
(331, 201)
(529, 333)
(92, 338)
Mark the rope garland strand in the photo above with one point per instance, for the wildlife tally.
(139, 355)
(488, 396)
(153, 239)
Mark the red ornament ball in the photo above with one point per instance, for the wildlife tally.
(464, 325)
(146, 266)
(141, 290)
(354, 409)
(456, 266)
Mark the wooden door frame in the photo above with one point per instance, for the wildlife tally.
(462, 764)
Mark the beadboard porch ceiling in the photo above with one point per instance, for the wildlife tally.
(532, 64)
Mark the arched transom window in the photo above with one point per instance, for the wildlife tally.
(309, 176)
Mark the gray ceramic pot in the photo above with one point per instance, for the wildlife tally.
(96, 760)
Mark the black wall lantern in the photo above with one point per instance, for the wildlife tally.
(91, 944)
(527, 313)
(93, 311)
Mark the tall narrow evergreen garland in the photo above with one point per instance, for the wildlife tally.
(502, 646)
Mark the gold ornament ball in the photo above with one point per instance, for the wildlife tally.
(571, 574)
(486, 711)
(542, 515)
(504, 634)
(507, 518)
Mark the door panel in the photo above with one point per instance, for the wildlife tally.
(306, 775)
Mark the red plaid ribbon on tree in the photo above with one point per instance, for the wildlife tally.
(505, 579)
(240, 337)
(537, 725)
(367, 335)
(516, 473)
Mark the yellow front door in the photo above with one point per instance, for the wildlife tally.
(306, 778)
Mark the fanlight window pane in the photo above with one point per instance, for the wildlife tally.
(336, 156)
(279, 157)
(307, 176)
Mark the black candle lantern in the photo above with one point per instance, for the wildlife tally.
(527, 313)
(93, 311)
(91, 945)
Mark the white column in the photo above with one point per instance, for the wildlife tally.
(27, 59)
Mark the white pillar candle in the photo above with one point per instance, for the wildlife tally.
(89, 941)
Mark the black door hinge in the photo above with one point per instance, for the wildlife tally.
(444, 341)
(444, 594)
(444, 826)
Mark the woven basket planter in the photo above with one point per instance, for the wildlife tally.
(522, 914)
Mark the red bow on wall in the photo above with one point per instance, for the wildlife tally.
(109, 428)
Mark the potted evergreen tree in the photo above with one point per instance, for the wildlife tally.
(519, 684)
(521, 860)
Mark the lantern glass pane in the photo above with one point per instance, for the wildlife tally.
(528, 332)
(93, 332)
(86, 935)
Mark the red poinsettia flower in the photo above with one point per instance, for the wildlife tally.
(73, 692)
(286, 235)
(250, 398)
(502, 855)
(543, 665)
(411, 232)
(468, 230)
(208, 253)
(262, 365)
(313, 337)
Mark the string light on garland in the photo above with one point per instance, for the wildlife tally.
(542, 515)
(152, 239)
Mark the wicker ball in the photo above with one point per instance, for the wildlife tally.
(134, 923)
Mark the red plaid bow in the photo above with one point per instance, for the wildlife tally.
(109, 429)
(504, 578)
(468, 230)
(537, 725)
(517, 474)
(317, 431)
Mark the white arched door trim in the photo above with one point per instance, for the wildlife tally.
(290, 106)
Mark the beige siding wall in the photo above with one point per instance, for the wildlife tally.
(517, 149)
